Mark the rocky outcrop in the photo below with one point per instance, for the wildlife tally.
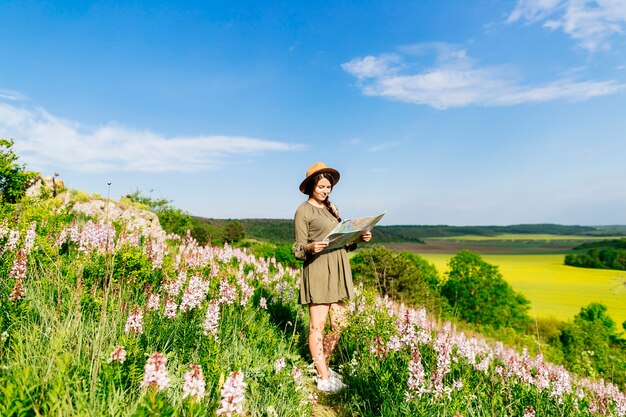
(50, 184)
(135, 218)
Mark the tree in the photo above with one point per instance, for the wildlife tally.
(479, 294)
(14, 179)
(233, 231)
(403, 276)
(592, 346)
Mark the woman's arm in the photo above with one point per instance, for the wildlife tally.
(301, 235)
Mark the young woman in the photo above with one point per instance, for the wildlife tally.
(326, 282)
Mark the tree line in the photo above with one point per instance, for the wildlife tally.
(605, 254)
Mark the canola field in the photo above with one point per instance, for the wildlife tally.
(553, 288)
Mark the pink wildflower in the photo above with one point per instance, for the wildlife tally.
(118, 355)
(296, 373)
(263, 303)
(156, 250)
(443, 346)
(194, 294)
(280, 364)
(153, 302)
(18, 271)
(194, 385)
(29, 239)
(14, 237)
(417, 377)
(170, 308)
(378, 348)
(134, 323)
(155, 372)
(212, 320)
(173, 287)
(233, 395)
(394, 343)
(246, 292)
(228, 293)
(61, 239)
(529, 411)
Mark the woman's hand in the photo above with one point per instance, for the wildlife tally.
(316, 247)
(366, 237)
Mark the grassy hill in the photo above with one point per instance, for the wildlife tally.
(101, 318)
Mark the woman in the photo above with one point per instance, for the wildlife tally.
(326, 282)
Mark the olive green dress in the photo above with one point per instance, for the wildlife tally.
(326, 276)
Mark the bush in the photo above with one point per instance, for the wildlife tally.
(403, 276)
(14, 179)
(479, 293)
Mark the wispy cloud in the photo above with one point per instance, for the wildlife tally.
(46, 141)
(11, 95)
(592, 23)
(382, 146)
(456, 80)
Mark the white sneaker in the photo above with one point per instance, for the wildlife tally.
(335, 374)
(331, 384)
(330, 372)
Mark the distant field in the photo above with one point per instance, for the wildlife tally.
(527, 237)
(504, 243)
(555, 289)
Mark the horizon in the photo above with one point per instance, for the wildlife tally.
(493, 112)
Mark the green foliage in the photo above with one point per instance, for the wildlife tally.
(403, 276)
(602, 255)
(592, 346)
(206, 233)
(14, 179)
(233, 232)
(479, 293)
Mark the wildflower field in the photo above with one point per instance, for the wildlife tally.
(99, 319)
(553, 288)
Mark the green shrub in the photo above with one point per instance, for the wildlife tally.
(479, 294)
(14, 179)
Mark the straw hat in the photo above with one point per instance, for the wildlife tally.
(318, 168)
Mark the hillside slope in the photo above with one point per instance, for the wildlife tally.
(106, 318)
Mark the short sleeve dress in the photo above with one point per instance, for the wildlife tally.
(326, 276)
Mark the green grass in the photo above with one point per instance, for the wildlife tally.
(555, 289)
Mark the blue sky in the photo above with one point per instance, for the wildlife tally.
(439, 112)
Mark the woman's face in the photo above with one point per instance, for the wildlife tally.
(321, 190)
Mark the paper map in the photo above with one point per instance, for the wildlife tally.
(350, 230)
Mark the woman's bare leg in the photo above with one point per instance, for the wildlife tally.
(317, 315)
(337, 324)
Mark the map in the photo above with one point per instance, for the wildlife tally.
(350, 230)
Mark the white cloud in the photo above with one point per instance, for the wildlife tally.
(11, 95)
(592, 23)
(383, 146)
(455, 80)
(45, 141)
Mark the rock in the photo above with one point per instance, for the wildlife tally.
(50, 183)
(134, 218)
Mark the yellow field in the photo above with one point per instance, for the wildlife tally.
(555, 289)
(510, 236)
